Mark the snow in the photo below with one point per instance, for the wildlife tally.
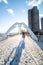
(3, 36)
(19, 51)
(18, 54)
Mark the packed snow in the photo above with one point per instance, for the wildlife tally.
(18, 51)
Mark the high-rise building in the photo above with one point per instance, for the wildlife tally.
(33, 19)
(29, 18)
(42, 23)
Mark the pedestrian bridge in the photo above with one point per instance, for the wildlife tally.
(19, 51)
(20, 25)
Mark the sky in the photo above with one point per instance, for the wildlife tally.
(12, 11)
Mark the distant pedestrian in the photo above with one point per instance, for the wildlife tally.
(23, 34)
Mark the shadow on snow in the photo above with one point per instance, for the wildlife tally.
(9, 56)
(18, 53)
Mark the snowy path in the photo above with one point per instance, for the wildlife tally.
(16, 51)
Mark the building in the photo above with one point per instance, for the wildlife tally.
(33, 19)
(42, 24)
(29, 18)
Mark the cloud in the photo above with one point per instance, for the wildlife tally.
(5, 1)
(23, 10)
(41, 15)
(10, 11)
(34, 2)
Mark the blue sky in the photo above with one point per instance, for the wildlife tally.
(12, 11)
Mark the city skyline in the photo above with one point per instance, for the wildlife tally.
(12, 11)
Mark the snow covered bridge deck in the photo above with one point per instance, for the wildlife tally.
(16, 51)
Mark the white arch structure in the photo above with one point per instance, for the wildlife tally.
(25, 26)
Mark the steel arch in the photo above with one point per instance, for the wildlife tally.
(25, 26)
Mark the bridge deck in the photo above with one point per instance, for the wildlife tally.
(30, 53)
